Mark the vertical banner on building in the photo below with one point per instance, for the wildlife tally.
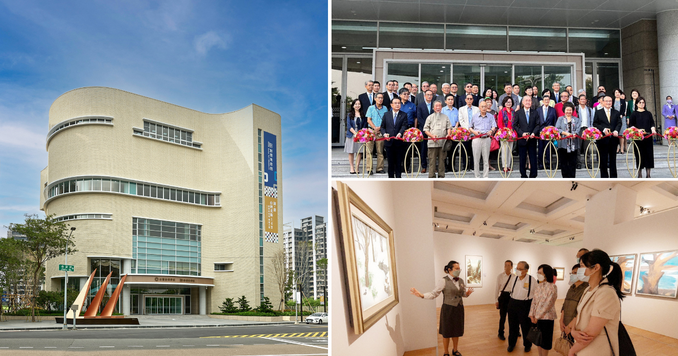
(271, 188)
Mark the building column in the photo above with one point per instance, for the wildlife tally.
(126, 297)
(667, 43)
(203, 300)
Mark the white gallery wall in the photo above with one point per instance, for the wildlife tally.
(407, 326)
(494, 252)
(611, 226)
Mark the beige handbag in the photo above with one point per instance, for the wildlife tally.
(563, 344)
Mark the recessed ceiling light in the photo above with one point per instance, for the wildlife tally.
(343, 47)
(443, 67)
(358, 62)
(441, 71)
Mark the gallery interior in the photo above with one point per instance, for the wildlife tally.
(541, 222)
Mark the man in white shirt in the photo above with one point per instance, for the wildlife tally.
(503, 295)
(522, 291)
(466, 114)
(585, 112)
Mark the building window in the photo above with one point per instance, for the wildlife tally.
(166, 247)
(84, 217)
(154, 191)
(223, 267)
(83, 120)
(167, 133)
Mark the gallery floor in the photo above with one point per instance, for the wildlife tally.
(480, 337)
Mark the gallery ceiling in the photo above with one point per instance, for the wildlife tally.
(542, 212)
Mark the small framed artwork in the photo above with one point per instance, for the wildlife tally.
(627, 264)
(658, 274)
(560, 273)
(474, 271)
(368, 254)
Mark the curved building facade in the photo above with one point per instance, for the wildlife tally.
(188, 204)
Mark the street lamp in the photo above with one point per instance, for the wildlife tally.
(68, 241)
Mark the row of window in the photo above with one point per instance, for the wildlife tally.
(79, 121)
(165, 247)
(152, 229)
(84, 217)
(363, 36)
(168, 133)
(132, 188)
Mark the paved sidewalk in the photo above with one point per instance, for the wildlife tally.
(341, 168)
(145, 321)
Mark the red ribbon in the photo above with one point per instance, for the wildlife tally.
(485, 135)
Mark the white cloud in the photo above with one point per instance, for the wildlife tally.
(21, 137)
(207, 41)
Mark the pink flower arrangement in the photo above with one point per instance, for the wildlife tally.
(413, 134)
(460, 134)
(550, 133)
(592, 134)
(671, 133)
(364, 135)
(505, 134)
(633, 133)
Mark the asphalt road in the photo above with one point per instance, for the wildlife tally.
(290, 340)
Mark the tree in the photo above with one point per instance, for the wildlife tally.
(244, 304)
(45, 239)
(12, 267)
(265, 306)
(228, 306)
(303, 265)
(280, 271)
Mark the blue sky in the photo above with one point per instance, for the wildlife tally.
(211, 56)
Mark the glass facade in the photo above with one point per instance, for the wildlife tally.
(84, 217)
(165, 247)
(363, 37)
(112, 185)
(160, 301)
(103, 267)
(435, 74)
(528, 76)
(495, 77)
(168, 133)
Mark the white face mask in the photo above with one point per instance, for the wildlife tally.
(581, 276)
(573, 279)
(540, 277)
(456, 273)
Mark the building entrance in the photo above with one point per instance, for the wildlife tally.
(163, 305)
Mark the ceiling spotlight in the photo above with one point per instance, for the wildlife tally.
(474, 233)
(547, 240)
(485, 223)
(574, 186)
(572, 238)
(644, 210)
(532, 231)
(446, 226)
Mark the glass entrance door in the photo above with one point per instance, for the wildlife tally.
(163, 305)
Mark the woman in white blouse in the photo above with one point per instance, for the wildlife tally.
(597, 322)
(543, 310)
(452, 311)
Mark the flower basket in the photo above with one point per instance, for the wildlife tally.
(364, 136)
(671, 133)
(592, 134)
(550, 133)
(633, 134)
(460, 134)
(505, 134)
(413, 135)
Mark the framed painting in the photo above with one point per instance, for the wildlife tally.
(560, 273)
(627, 264)
(474, 271)
(658, 274)
(368, 254)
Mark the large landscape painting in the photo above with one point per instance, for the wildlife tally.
(373, 261)
(658, 274)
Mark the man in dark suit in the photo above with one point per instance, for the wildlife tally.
(394, 124)
(526, 124)
(367, 98)
(608, 121)
(424, 109)
(547, 117)
(461, 99)
(389, 94)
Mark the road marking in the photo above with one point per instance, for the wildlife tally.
(295, 335)
(4, 347)
(187, 345)
(295, 343)
(109, 347)
(212, 345)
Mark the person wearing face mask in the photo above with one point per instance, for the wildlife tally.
(669, 113)
(580, 253)
(522, 291)
(543, 308)
(503, 293)
(596, 327)
(452, 312)
(569, 310)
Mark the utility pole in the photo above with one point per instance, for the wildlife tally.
(66, 280)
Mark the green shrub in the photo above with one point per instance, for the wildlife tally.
(244, 304)
(265, 306)
(228, 306)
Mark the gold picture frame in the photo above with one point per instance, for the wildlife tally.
(560, 273)
(366, 242)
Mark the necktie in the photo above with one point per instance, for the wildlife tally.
(429, 107)
(545, 112)
(607, 112)
(470, 116)
(395, 116)
(370, 95)
(527, 115)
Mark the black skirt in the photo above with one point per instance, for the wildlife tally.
(646, 154)
(452, 321)
(546, 328)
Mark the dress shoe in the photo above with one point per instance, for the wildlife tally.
(527, 349)
(423, 170)
(456, 353)
(381, 171)
(502, 338)
(510, 348)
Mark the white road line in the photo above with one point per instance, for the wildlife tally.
(212, 345)
(102, 347)
(4, 347)
(294, 342)
(50, 347)
(187, 345)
